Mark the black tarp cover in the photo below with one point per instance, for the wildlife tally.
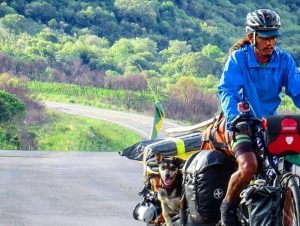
(171, 146)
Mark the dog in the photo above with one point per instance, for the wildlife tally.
(170, 187)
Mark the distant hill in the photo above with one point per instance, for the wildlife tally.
(46, 40)
(181, 46)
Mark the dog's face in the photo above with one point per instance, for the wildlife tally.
(168, 168)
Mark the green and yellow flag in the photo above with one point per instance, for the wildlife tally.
(159, 116)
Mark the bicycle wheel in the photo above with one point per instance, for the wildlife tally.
(291, 202)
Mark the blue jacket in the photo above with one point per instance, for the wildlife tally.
(261, 85)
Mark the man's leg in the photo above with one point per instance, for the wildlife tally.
(247, 166)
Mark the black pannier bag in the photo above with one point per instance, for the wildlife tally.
(262, 204)
(205, 179)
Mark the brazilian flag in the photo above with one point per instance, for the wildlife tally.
(159, 116)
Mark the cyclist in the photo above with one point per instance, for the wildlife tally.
(262, 70)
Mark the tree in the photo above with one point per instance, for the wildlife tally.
(10, 106)
(185, 88)
(5, 9)
(212, 51)
(187, 102)
(191, 64)
(49, 35)
(40, 11)
(175, 49)
(14, 23)
(17, 24)
(143, 12)
(129, 53)
(43, 46)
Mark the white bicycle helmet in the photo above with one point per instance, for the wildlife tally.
(264, 22)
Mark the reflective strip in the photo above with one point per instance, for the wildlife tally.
(179, 145)
(240, 139)
(186, 155)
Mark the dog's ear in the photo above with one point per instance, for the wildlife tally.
(178, 161)
(159, 157)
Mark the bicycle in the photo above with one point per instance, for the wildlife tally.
(272, 181)
(274, 177)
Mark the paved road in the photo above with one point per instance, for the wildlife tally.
(68, 189)
(138, 123)
(73, 188)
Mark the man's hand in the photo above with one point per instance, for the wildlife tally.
(243, 127)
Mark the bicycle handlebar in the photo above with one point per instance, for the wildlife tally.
(245, 117)
(256, 134)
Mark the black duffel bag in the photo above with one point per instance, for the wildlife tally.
(205, 179)
(262, 204)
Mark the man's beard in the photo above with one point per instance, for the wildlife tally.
(267, 55)
(263, 57)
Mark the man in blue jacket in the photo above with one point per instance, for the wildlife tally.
(261, 69)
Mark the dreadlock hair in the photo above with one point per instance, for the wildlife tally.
(243, 41)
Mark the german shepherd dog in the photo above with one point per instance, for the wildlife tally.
(170, 187)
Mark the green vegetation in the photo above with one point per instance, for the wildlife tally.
(91, 52)
(87, 95)
(36, 129)
(10, 106)
(117, 99)
(183, 95)
(287, 106)
(12, 109)
(82, 134)
(87, 42)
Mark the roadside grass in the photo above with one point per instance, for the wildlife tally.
(6, 144)
(85, 95)
(73, 133)
(66, 133)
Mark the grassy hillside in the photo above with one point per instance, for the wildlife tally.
(62, 40)
(197, 21)
(127, 52)
(73, 133)
(26, 125)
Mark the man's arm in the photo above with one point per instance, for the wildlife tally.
(229, 87)
(292, 82)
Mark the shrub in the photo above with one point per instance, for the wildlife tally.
(10, 106)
